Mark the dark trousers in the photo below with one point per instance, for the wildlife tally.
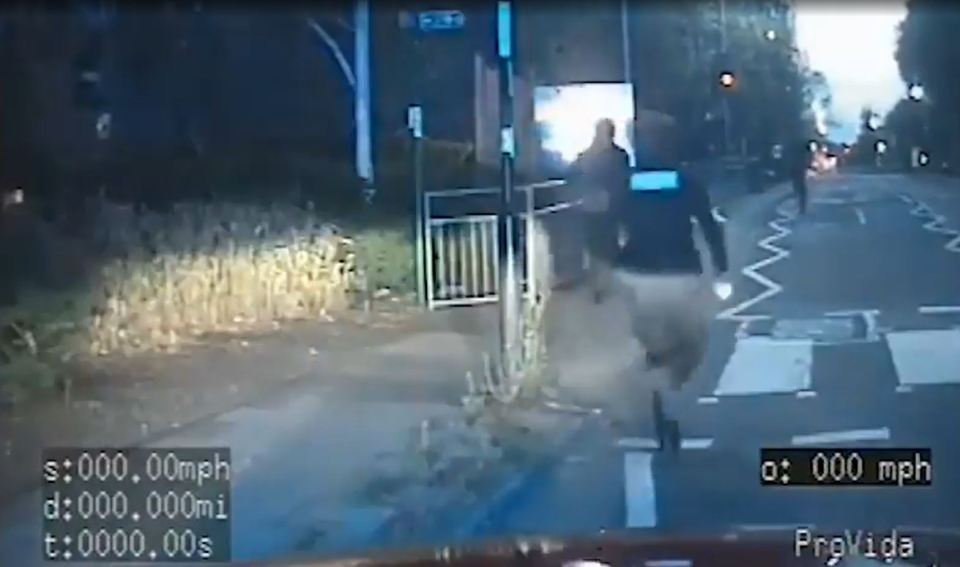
(800, 190)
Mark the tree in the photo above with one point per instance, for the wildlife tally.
(357, 76)
(928, 53)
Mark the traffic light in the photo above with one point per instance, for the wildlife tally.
(727, 79)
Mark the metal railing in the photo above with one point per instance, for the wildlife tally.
(461, 253)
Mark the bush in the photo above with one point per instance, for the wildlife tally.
(204, 268)
(386, 258)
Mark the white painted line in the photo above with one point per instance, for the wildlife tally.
(773, 527)
(706, 400)
(641, 498)
(647, 444)
(936, 225)
(718, 216)
(852, 312)
(807, 394)
(642, 443)
(852, 435)
(772, 287)
(761, 365)
(696, 443)
(862, 218)
(904, 389)
(926, 357)
(668, 563)
(938, 309)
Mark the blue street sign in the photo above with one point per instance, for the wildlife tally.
(504, 30)
(441, 20)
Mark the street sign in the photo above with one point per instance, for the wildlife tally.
(415, 121)
(504, 30)
(441, 20)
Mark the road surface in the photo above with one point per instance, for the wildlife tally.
(843, 332)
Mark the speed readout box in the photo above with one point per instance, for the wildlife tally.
(136, 504)
(846, 467)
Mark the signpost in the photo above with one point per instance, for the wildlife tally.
(415, 125)
(508, 292)
(432, 21)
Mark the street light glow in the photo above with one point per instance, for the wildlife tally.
(727, 79)
(881, 146)
(915, 92)
(873, 122)
(771, 35)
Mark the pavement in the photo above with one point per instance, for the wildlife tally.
(336, 461)
(842, 332)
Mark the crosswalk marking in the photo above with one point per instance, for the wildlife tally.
(761, 365)
(926, 357)
(641, 499)
(849, 436)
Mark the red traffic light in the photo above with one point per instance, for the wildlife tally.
(727, 79)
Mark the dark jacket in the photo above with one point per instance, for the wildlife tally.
(606, 169)
(799, 158)
(659, 225)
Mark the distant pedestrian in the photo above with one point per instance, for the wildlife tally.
(659, 270)
(602, 173)
(799, 164)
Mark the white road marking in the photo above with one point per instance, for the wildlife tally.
(806, 394)
(706, 400)
(904, 389)
(648, 444)
(642, 443)
(936, 225)
(773, 527)
(772, 287)
(641, 498)
(861, 218)
(927, 356)
(761, 365)
(849, 436)
(938, 309)
(668, 563)
(696, 443)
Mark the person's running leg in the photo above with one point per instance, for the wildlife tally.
(800, 188)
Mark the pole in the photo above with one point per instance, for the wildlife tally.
(726, 103)
(415, 124)
(505, 219)
(628, 74)
(361, 66)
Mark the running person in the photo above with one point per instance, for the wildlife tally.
(659, 270)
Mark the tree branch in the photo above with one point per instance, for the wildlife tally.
(335, 49)
(343, 23)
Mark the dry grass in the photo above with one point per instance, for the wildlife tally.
(529, 372)
(212, 268)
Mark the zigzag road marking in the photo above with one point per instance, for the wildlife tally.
(777, 254)
(936, 223)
